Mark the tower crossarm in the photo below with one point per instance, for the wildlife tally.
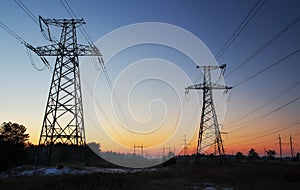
(61, 22)
(212, 67)
(58, 50)
(212, 86)
(196, 86)
(220, 87)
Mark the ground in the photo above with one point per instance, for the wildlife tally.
(182, 175)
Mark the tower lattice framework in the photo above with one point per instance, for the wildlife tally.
(63, 120)
(209, 131)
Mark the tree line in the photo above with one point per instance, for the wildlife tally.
(13, 144)
(16, 150)
(253, 155)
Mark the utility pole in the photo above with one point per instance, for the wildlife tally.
(291, 146)
(280, 149)
(63, 120)
(174, 150)
(209, 126)
(134, 149)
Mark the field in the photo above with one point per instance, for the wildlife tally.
(182, 175)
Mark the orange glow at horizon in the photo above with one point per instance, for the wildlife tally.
(261, 136)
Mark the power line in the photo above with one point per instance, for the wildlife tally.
(267, 68)
(98, 104)
(27, 11)
(265, 115)
(251, 144)
(270, 131)
(68, 8)
(45, 8)
(33, 17)
(12, 33)
(88, 39)
(267, 44)
(33, 63)
(99, 58)
(267, 103)
(82, 29)
(241, 27)
(70, 11)
(22, 41)
(267, 133)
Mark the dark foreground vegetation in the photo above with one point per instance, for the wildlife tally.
(239, 172)
(182, 175)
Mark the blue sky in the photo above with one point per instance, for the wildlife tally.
(24, 90)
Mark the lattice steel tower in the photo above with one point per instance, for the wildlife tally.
(209, 126)
(63, 121)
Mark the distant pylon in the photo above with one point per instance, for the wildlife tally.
(168, 154)
(142, 147)
(63, 121)
(185, 146)
(209, 126)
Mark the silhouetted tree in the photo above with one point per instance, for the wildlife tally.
(13, 133)
(239, 155)
(297, 158)
(252, 154)
(96, 147)
(12, 144)
(271, 154)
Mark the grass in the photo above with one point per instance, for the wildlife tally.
(237, 175)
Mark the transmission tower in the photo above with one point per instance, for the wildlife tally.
(209, 126)
(142, 147)
(185, 146)
(63, 121)
(168, 153)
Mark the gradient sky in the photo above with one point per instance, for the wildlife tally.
(24, 90)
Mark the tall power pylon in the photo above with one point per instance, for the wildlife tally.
(209, 126)
(63, 121)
